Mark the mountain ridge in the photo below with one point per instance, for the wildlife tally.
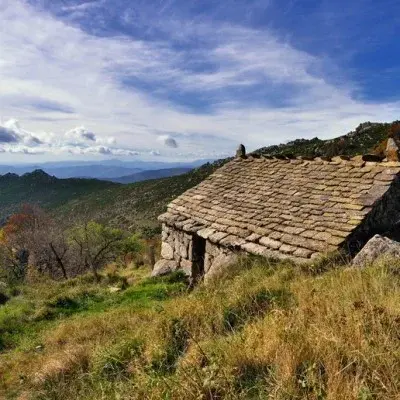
(136, 206)
(150, 174)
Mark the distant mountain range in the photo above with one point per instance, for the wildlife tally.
(152, 174)
(106, 170)
(136, 206)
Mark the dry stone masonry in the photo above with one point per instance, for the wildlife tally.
(276, 207)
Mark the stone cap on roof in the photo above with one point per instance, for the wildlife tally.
(293, 208)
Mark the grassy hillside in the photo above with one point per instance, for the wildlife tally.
(269, 331)
(42, 189)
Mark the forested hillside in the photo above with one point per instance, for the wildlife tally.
(136, 206)
(39, 188)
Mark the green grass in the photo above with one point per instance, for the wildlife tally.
(40, 306)
(267, 330)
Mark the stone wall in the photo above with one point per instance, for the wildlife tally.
(217, 259)
(384, 218)
(177, 254)
(176, 247)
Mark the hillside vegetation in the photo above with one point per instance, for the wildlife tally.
(42, 189)
(136, 206)
(268, 331)
(366, 138)
(150, 174)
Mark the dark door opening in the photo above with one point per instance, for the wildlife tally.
(199, 251)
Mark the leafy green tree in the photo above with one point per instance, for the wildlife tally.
(96, 245)
(131, 244)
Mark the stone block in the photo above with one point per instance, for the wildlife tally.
(378, 246)
(254, 237)
(287, 249)
(186, 267)
(270, 243)
(167, 252)
(183, 251)
(303, 253)
(207, 262)
(190, 251)
(164, 267)
(212, 249)
(205, 233)
(219, 266)
(293, 230)
(217, 237)
(255, 249)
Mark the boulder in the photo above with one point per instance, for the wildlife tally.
(219, 266)
(377, 247)
(164, 267)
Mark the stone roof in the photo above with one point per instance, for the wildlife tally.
(279, 207)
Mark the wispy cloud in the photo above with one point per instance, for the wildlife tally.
(201, 79)
(82, 6)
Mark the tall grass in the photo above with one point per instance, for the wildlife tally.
(268, 331)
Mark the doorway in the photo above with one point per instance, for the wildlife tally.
(198, 253)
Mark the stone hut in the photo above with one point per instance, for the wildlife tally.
(277, 207)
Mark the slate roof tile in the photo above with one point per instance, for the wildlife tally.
(291, 208)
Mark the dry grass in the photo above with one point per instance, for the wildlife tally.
(270, 332)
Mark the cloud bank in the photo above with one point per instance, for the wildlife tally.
(79, 141)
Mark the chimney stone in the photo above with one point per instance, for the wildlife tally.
(241, 151)
(392, 150)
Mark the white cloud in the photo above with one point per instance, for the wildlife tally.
(12, 133)
(81, 134)
(75, 141)
(82, 6)
(8, 136)
(54, 76)
(168, 141)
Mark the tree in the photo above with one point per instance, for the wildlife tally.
(130, 245)
(32, 237)
(96, 245)
(13, 263)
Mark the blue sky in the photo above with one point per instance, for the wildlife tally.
(178, 80)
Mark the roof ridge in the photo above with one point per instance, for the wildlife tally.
(359, 160)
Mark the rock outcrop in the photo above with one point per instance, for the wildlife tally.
(379, 246)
